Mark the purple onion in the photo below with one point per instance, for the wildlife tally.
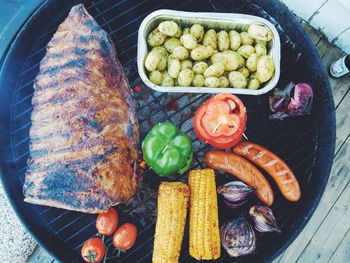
(264, 220)
(235, 193)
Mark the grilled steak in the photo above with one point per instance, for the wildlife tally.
(84, 134)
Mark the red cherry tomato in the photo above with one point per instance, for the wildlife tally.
(107, 222)
(93, 250)
(125, 236)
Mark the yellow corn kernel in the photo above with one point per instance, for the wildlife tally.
(204, 221)
(172, 210)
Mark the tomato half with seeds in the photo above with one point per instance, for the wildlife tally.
(93, 250)
(107, 222)
(221, 121)
(125, 236)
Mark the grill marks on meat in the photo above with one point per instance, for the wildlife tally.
(84, 133)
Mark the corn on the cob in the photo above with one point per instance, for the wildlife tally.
(204, 222)
(172, 210)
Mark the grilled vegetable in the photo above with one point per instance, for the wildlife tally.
(172, 211)
(107, 222)
(235, 193)
(125, 236)
(197, 31)
(238, 237)
(223, 40)
(243, 170)
(168, 28)
(274, 166)
(265, 68)
(204, 223)
(167, 150)
(237, 80)
(212, 82)
(220, 121)
(246, 39)
(260, 32)
(264, 220)
(93, 250)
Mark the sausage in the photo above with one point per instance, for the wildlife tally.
(243, 170)
(274, 166)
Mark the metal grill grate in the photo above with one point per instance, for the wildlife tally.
(293, 140)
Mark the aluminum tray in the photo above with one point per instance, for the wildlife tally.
(213, 20)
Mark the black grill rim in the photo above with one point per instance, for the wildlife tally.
(325, 145)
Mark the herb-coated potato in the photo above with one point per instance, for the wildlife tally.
(252, 62)
(235, 39)
(260, 32)
(155, 38)
(262, 42)
(253, 76)
(214, 70)
(163, 54)
(186, 31)
(171, 43)
(189, 41)
(170, 58)
(212, 82)
(167, 81)
(180, 53)
(246, 39)
(174, 68)
(230, 59)
(155, 77)
(200, 67)
(237, 80)
(201, 52)
(168, 28)
(186, 64)
(260, 49)
(210, 39)
(246, 50)
(223, 40)
(244, 71)
(241, 61)
(185, 77)
(265, 68)
(198, 80)
(254, 84)
(197, 31)
(152, 59)
(178, 33)
(224, 83)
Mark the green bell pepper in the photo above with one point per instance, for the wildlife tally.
(167, 150)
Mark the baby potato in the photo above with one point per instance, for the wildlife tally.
(235, 39)
(171, 43)
(174, 68)
(262, 42)
(201, 52)
(246, 39)
(178, 33)
(155, 77)
(167, 81)
(186, 31)
(152, 60)
(260, 49)
(260, 32)
(210, 39)
(254, 84)
(170, 58)
(237, 80)
(246, 50)
(155, 38)
(185, 77)
(244, 71)
(186, 64)
(224, 83)
(168, 28)
(241, 61)
(265, 68)
(214, 70)
(189, 41)
(180, 53)
(163, 54)
(223, 40)
(198, 80)
(197, 31)
(212, 82)
(200, 67)
(253, 76)
(252, 62)
(230, 59)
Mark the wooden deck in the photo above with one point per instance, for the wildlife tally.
(326, 238)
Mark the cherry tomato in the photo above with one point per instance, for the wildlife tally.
(106, 223)
(93, 250)
(125, 236)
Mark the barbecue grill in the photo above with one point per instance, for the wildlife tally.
(305, 143)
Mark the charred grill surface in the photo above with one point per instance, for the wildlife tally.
(84, 134)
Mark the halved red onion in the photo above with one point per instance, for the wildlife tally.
(235, 193)
(264, 220)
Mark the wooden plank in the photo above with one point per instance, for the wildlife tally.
(343, 121)
(40, 256)
(342, 253)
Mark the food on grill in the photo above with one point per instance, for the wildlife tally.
(107, 222)
(263, 218)
(93, 250)
(204, 223)
(235, 193)
(220, 121)
(84, 133)
(243, 170)
(124, 238)
(229, 52)
(273, 165)
(238, 237)
(172, 211)
(167, 150)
